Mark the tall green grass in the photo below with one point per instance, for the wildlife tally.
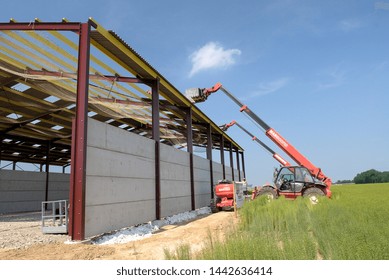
(353, 225)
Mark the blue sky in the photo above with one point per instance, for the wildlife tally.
(315, 71)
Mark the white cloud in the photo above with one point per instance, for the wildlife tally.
(334, 78)
(269, 87)
(212, 56)
(380, 66)
(350, 24)
(381, 6)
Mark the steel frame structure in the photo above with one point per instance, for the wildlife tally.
(168, 105)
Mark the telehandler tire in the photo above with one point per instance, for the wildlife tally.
(313, 194)
(214, 208)
(270, 192)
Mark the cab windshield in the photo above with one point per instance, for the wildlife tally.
(293, 174)
(302, 175)
(286, 174)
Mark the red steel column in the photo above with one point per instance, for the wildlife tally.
(1, 143)
(78, 176)
(47, 172)
(243, 167)
(222, 155)
(238, 164)
(232, 162)
(189, 133)
(156, 137)
(209, 156)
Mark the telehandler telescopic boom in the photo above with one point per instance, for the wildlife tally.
(276, 156)
(197, 95)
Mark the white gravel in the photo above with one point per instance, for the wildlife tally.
(24, 230)
(146, 230)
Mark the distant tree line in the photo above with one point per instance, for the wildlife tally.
(372, 176)
(344, 182)
(368, 177)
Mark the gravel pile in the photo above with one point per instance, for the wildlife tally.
(24, 230)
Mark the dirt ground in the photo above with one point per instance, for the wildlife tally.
(21, 239)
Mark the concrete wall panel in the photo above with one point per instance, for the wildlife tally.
(202, 175)
(202, 200)
(101, 162)
(175, 181)
(174, 205)
(171, 188)
(20, 206)
(200, 163)
(228, 173)
(217, 172)
(22, 191)
(175, 172)
(108, 190)
(202, 180)
(120, 184)
(170, 154)
(120, 215)
(138, 146)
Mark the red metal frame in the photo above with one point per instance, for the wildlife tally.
(47, 172)
(57, 26)
(222, 155)
(79, 131)
(78, 177)
(91, 76)
(238, 164)
(79, 123)
(72, 171)
(243, 166)
(231, 162)
(209, 156)
(189, 133)
(156, 136)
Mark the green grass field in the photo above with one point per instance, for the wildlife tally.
(353, 225)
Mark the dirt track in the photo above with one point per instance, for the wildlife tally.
(17, 244)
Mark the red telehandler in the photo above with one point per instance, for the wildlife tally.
(305, 179)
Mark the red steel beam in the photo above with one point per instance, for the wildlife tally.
(78, 175)
(109, 78)
(30, 26)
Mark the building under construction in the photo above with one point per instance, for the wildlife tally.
(77, 96)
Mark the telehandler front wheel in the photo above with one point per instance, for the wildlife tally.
(269, 192)
(313, 194)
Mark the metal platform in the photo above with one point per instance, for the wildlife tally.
(55, 216)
